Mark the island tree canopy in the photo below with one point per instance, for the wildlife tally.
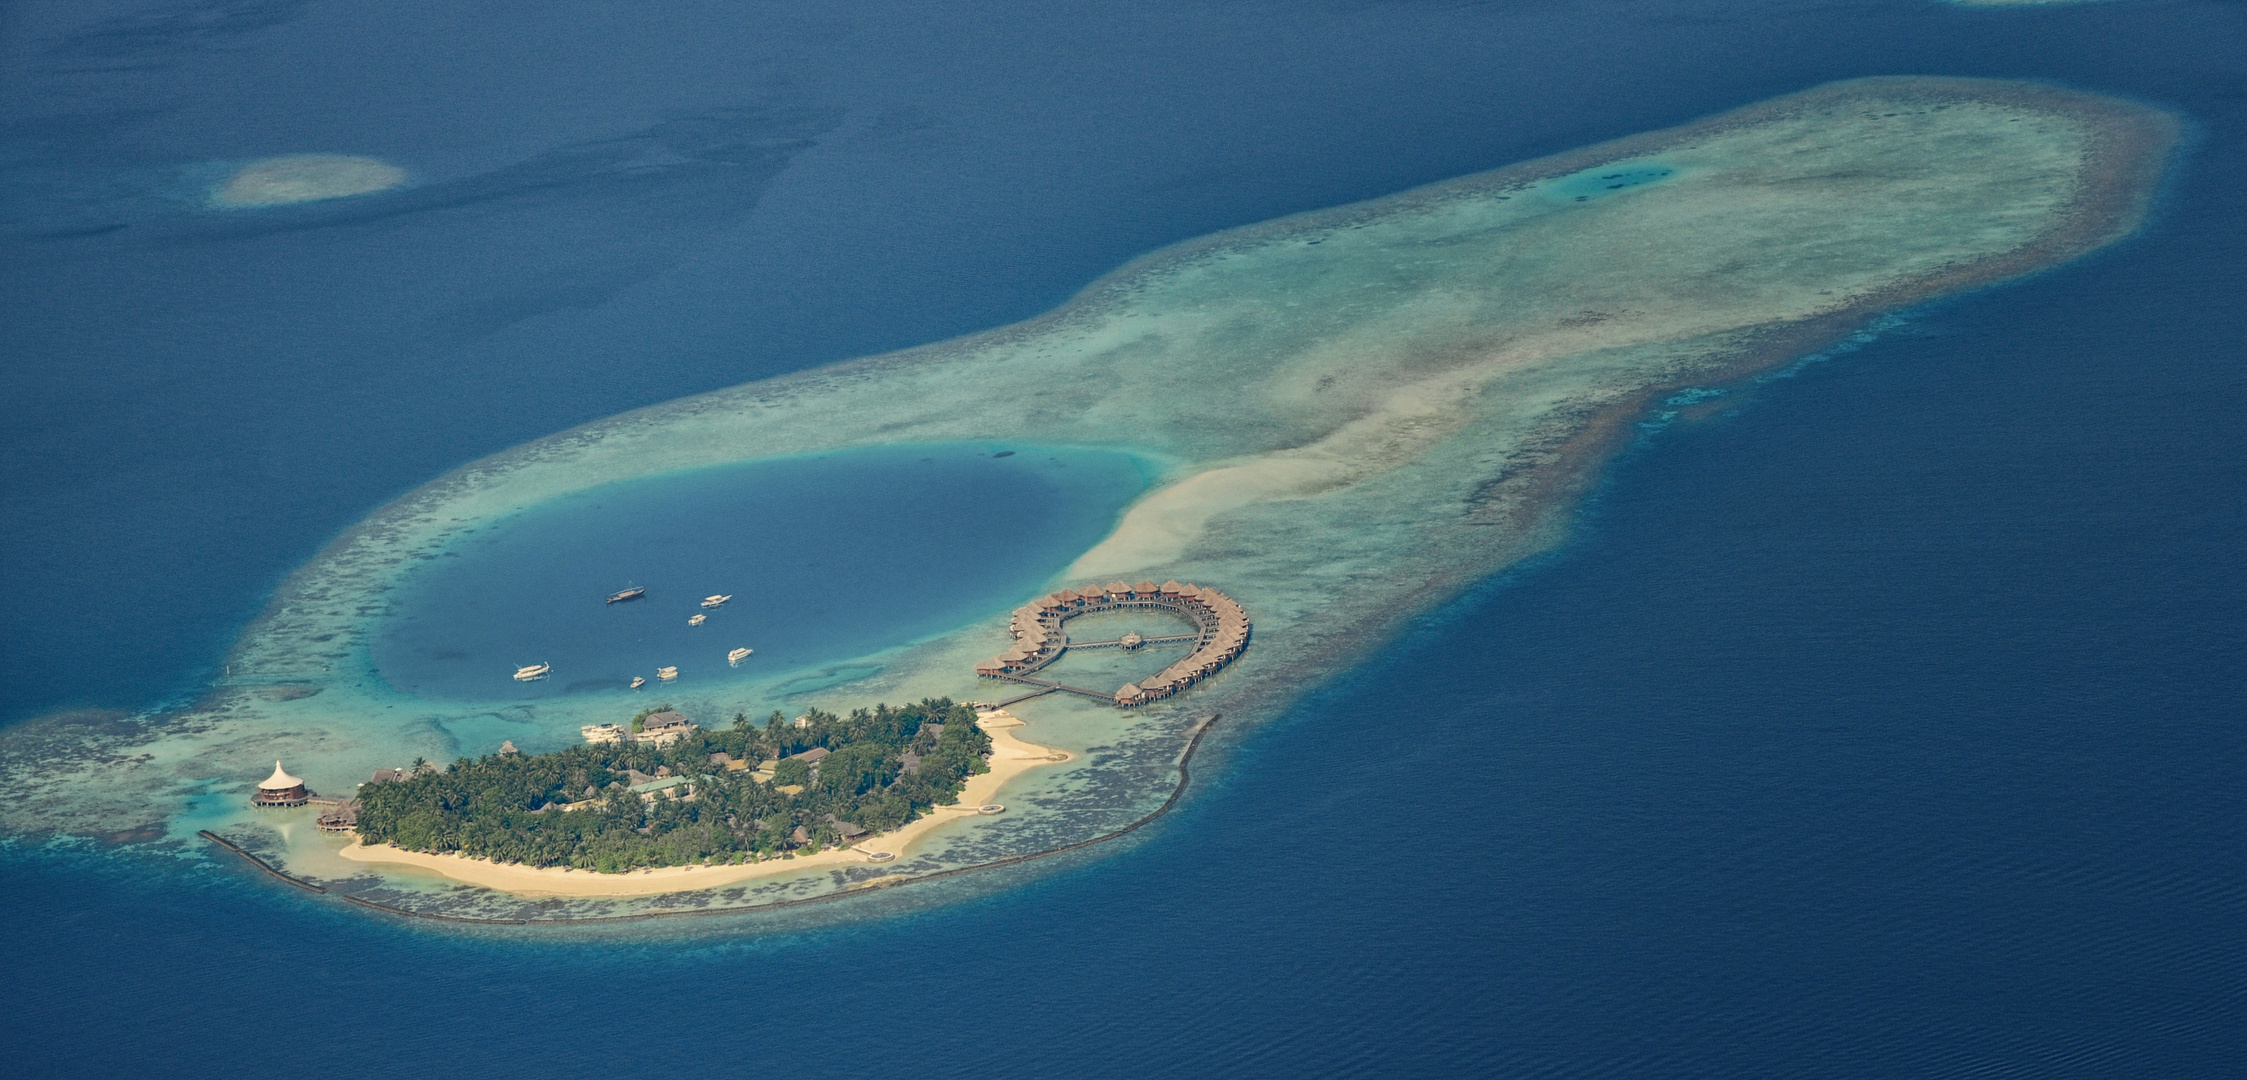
(883, 767)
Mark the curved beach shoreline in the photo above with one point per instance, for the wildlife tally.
(1010, 758)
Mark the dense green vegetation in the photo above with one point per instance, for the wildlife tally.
(883, 768)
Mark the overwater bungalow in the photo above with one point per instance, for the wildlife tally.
(344, 817)
(1221, 633)
(280, 790)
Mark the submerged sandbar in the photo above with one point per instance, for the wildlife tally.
(302, 178)
(1358, 413)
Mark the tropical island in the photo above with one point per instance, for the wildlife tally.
(687, 799)
(1351, 416)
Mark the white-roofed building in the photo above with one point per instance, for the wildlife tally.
(280, 789)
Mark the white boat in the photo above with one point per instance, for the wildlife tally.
(697, 620)
(638, 682)
(532, 672)
(667, 673)
(738, 655)
(714, 601)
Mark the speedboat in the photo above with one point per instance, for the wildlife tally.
(532, 672)
(633, 593)
(638, 682)
(714, 601)
(696, 620)
(738, 655)
(667, 673)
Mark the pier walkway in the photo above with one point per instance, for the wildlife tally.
(1050, 687)
(1132, 643)
(1039, 692)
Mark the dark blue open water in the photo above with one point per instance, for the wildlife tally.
(1884, 722)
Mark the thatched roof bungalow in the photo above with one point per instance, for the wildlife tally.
(1222, 632)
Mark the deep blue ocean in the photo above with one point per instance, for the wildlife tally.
(1883, 719)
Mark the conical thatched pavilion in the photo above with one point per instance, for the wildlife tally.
(280, 789)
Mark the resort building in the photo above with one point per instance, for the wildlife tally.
(648, 790)
(280, 789)
(664, 728)
(660, 729)
(343, 817)
(1221, 632)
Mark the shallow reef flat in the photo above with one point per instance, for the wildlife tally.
(1358, 412)
(302, 178)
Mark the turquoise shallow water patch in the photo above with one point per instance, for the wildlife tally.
(1605, 180)
(829, 677)
(825, 558)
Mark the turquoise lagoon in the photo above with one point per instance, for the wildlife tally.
(1603, 180)
(828, 558)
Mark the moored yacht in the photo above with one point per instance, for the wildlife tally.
(633, 593)
(638, 682)
(738, 655)
(714, 601)
(696, 620)
(667, 673)
(532, 672)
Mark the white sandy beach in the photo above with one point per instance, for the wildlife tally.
(1010, 757)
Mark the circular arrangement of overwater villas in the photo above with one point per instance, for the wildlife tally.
(1220, 633)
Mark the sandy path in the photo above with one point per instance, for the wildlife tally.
(1010, 757)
